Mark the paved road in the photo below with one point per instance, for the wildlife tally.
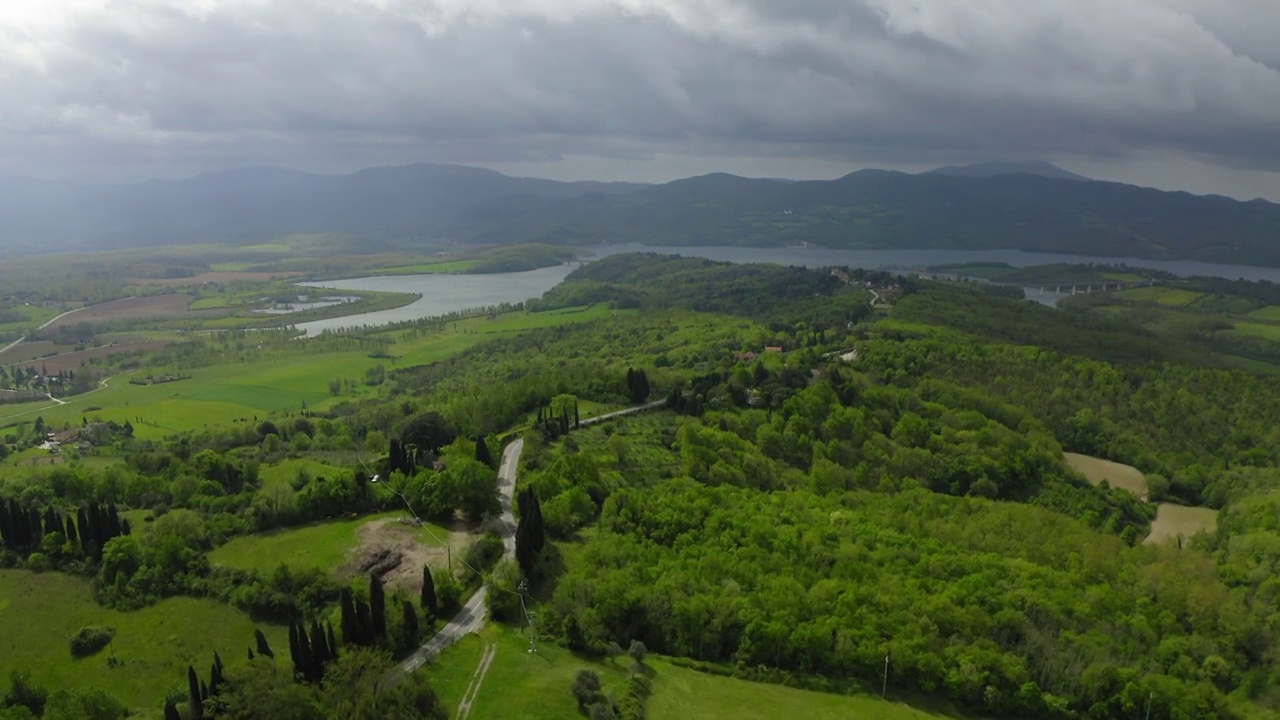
(472, 616)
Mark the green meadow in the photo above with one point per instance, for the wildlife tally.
(322, 546)
(275, 383)
(536, 686)
(444, 266)
(1160, 295)
(40, 612)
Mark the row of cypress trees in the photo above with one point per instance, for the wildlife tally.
(24, 528)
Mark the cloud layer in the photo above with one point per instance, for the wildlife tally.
(169, 84)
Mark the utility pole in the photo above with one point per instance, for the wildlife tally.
(530, 616)
(884, 686)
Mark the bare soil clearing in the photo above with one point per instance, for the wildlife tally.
(1116, 474)
(392, 541)
(1178, 521)
(219, 276)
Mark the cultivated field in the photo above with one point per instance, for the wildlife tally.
(1171, 520)
(40, 612)
(524, 686)
(168, 305)
(1174, 521)
(67, 357)
(1116, 474)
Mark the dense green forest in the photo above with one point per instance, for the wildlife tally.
(825, 484)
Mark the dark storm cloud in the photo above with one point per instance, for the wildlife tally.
(150, 83)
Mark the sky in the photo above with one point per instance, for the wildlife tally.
(1177, 94)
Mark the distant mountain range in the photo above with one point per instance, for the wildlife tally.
(1030, 206)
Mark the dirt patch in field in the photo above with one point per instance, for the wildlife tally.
(1116, 474)
(1178, 521)
(390, 546)
(167, 305)
(217, 277)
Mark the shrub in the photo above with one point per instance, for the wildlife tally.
(90, 639)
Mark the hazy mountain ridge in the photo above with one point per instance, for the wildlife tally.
(865, 209)
(993, 169)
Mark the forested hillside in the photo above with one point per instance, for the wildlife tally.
(822, 484)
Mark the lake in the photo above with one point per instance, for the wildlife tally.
(442, 294)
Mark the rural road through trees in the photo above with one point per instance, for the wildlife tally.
(472, 615)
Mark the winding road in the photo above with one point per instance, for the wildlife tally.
(471, 617)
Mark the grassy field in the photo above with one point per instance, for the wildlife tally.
(1173, 521)
(324, 546)
(1261, 330)
(40, 612)
(33, 316)
(1160, 295)
(285, 472)
(274, 383)
(444, 266)
(1116, 474)
(524, 686)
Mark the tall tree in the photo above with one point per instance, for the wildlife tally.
(364, 623)
(333, 642)
(193, 694)
(261, 640)
(350, 624)
(428, 594)
(171, 711)
(482, 452)
(409, 626)
(377, 608)
(530, 534)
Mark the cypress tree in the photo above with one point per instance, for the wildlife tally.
(539, 535)
(319, 651)
(215, 679)
(71, 532)
(364, 624)
(333, 643)
(250, 653)
(193, 694)
(350, 625)
(52, 523)
(529, 533)
(410, 625)
(378, 608)
(295, 652)
(428, 595)
(577, 421)
(482, 452)
(86, 533)
(33, 522)
(204, 690)
(171, 711)
(263, 647)
(305, 665)
(217, 661)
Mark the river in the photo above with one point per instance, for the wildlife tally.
(442, 294)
